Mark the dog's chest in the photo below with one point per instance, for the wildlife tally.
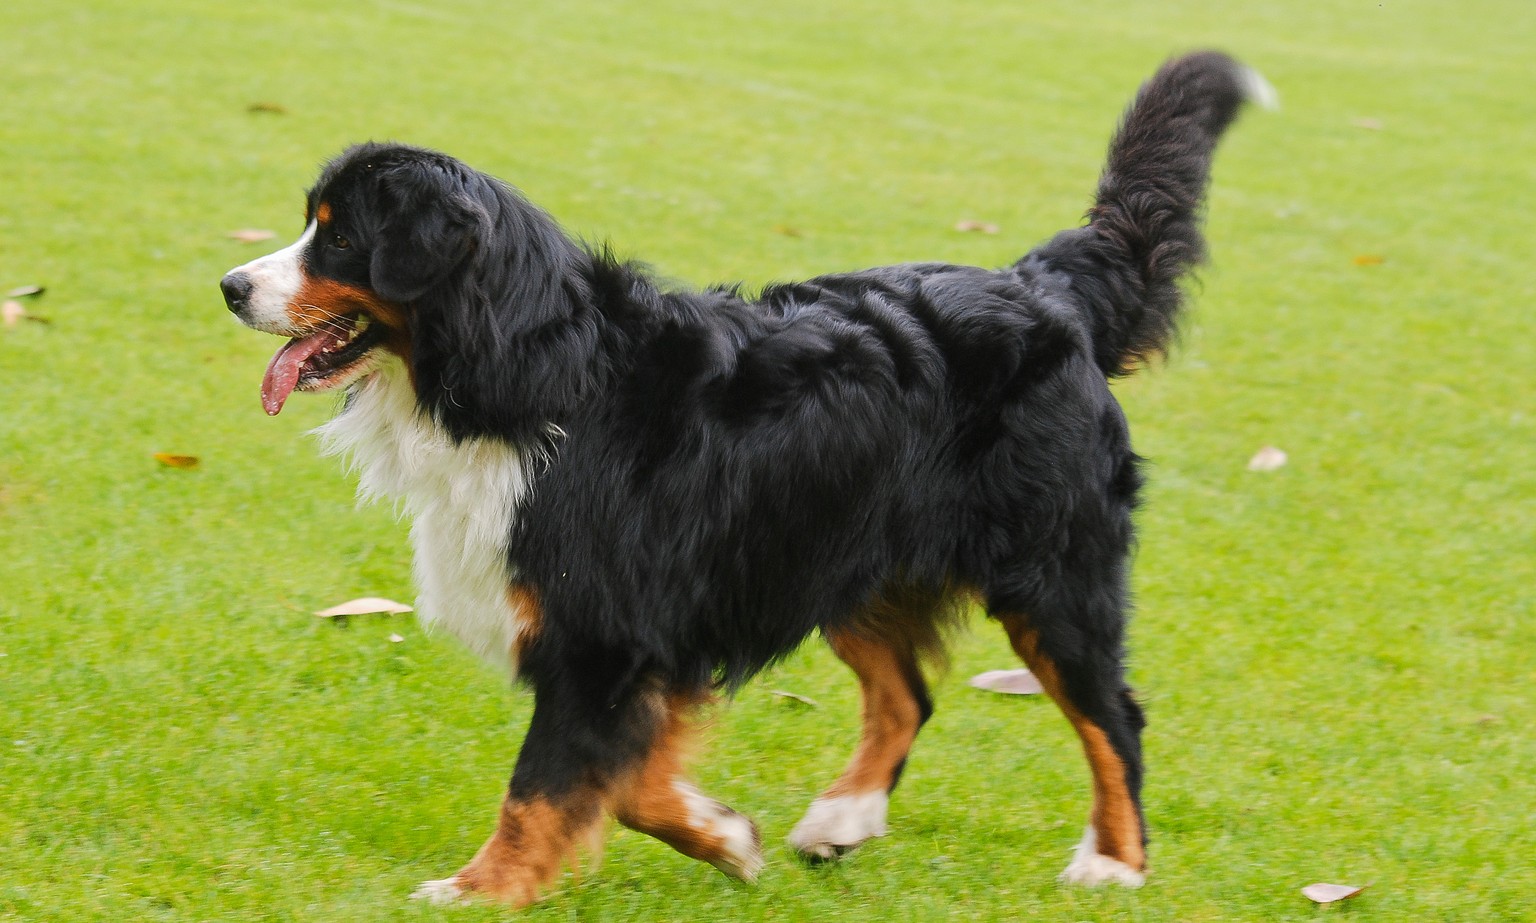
(461, 499)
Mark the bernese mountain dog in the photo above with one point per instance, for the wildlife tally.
(635, 498)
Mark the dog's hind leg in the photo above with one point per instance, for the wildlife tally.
(895, 706)
(1084, 677)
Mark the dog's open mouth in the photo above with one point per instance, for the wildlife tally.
(318, 360)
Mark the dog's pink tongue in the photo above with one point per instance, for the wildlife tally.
(283, 371)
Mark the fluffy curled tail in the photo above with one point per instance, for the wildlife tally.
(1143, 232)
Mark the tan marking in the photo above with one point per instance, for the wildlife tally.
(319, 300)
(533, 839)
(323, 213)
(529, 616)
(657, 798)
(890, 714)
(1115, 818)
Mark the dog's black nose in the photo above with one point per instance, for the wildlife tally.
(237, 290)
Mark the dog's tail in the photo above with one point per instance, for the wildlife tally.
(1143, 232)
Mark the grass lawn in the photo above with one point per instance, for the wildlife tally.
(1338, 657)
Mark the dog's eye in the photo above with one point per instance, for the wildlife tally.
(340, 243)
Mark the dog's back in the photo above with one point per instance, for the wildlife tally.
(769, 466)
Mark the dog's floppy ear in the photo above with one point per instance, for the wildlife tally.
(429, 227)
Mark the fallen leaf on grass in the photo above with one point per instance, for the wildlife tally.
(1268, 458)
(1369, 259)
(982, 227)
(1327, 894)
(796, 697)
(786, 230)
(252, 235)
(12, 312)
(1008, 682)
(274, 108)
(22, 291)
(183, 462)
(368, 605)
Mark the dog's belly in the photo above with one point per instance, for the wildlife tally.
(460, 497)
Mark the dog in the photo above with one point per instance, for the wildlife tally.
(635, 498)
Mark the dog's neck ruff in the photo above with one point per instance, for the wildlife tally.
(461, 499)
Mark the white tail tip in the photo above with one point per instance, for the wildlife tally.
(1259, 91)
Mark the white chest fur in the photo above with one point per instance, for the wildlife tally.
(460, 498)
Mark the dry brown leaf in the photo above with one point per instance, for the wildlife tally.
(795, 697)
(368, 605)
(274, 108)
(12, 312)
(786, 230)
(1008, 682)
(1268, 458)
(1327, 894)
(983, 227)
(183, 462)
(22, 291)
(1369, 259)
(252, 235)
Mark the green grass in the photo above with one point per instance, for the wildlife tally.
(1337, 657)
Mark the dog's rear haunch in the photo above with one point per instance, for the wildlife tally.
(634, 497)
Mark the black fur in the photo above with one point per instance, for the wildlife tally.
(730, 475)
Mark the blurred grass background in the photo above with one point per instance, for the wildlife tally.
(1337, 657)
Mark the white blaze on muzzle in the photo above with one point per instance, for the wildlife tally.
(275, 281)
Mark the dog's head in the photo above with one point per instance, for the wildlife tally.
(384, 226)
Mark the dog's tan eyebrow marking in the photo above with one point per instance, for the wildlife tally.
(323, 213)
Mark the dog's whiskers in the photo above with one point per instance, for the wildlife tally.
(339, 323)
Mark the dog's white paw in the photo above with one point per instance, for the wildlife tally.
(441, 892)
(1090, 868)
(834, 826)
(741, 845)
(743, 857)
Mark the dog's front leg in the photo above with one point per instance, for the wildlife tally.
(534, 838)
(583, 737)
(656, 797)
